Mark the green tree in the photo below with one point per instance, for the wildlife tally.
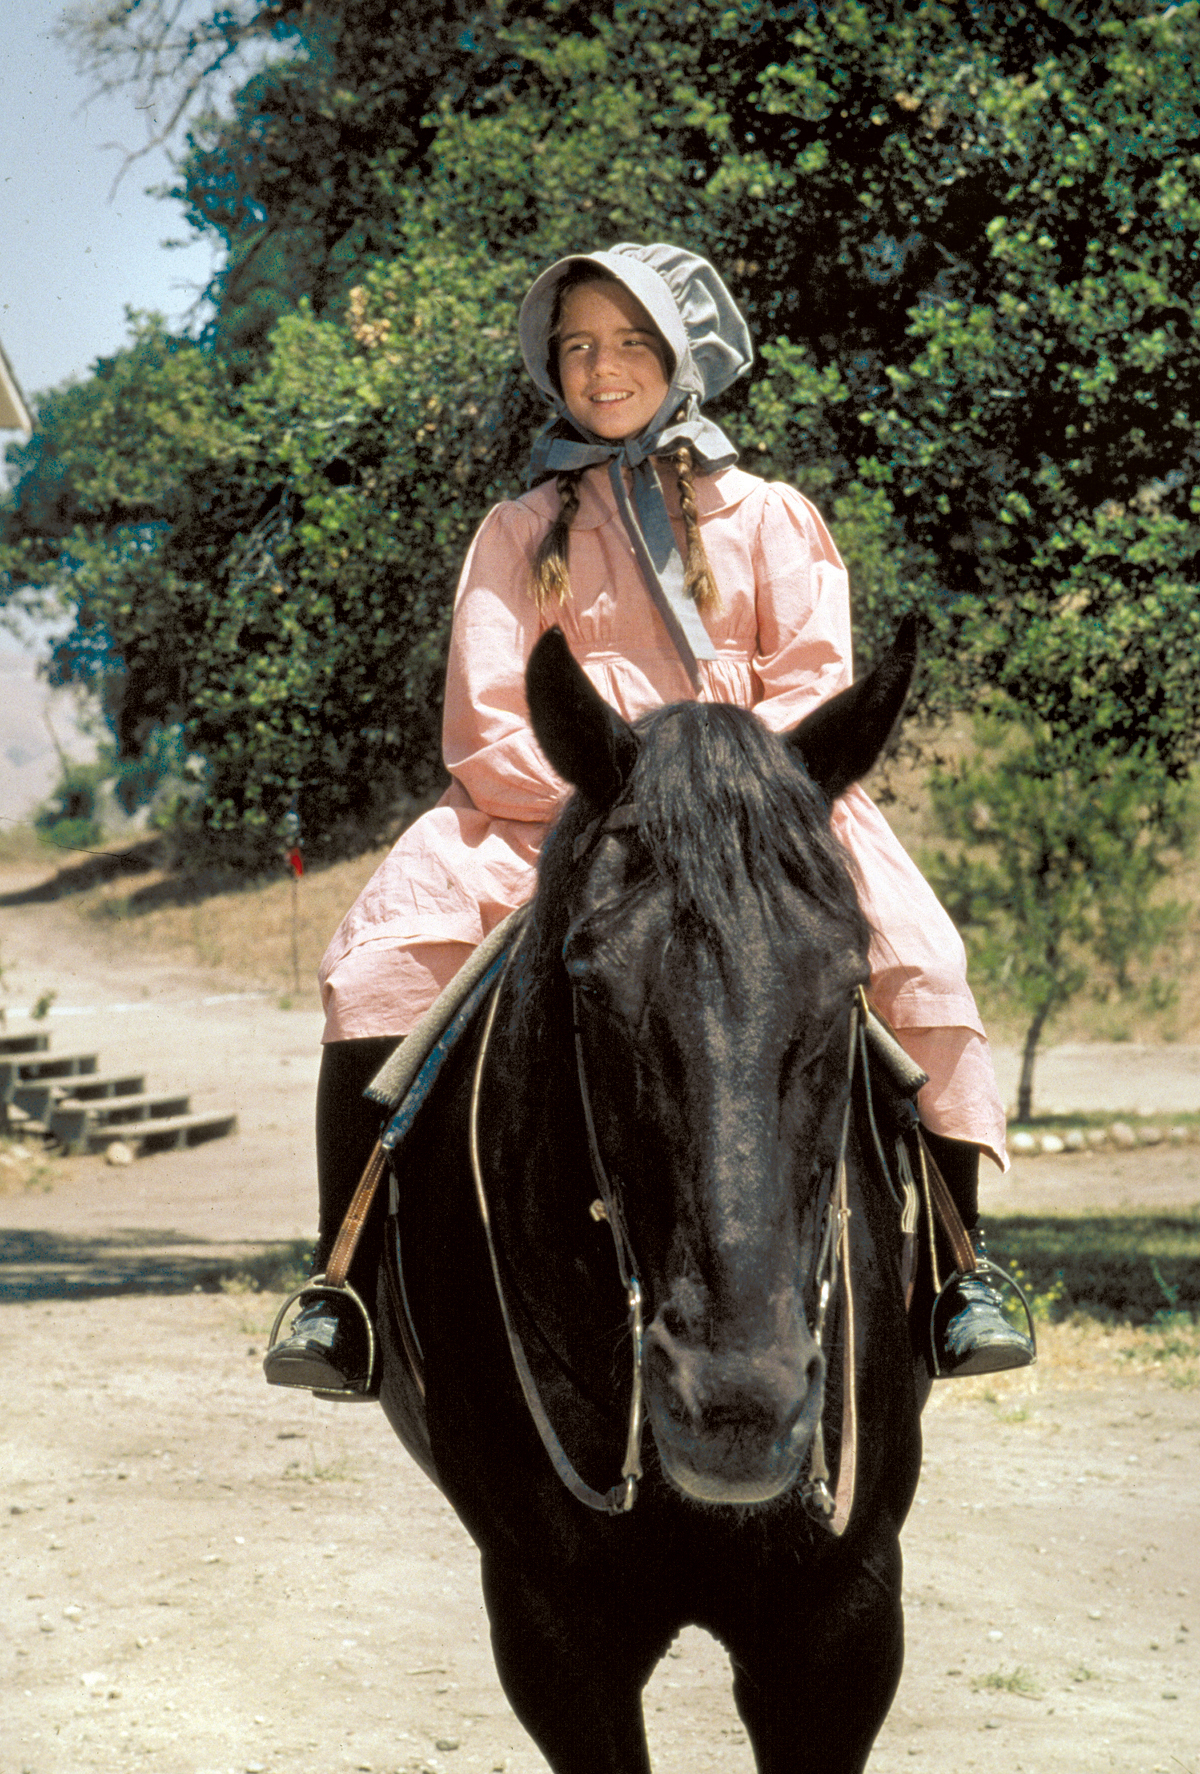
(117, 468)
(967, 241)
(1057, 871)
(295, 181)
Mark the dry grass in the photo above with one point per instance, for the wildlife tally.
(1083, 1353)
(26, 1168)
(270, 934)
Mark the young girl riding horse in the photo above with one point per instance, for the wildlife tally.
(674, 575)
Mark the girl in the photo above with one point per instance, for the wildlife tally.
(673, 575)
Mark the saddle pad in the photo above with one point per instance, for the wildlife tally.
(395, 1077)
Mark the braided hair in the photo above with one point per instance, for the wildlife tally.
(551, 579)
(698, 581)
(551, 583)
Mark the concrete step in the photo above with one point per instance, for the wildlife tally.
(34, 1067)
(160, 1133)
(74, 1119)
(38, 1099)
(34, 1041)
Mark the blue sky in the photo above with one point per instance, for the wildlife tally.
(71, 257)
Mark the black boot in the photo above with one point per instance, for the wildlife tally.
(971, 1335)
(970, 1332)
(326, 1348)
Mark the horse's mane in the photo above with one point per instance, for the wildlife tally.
(724, 808)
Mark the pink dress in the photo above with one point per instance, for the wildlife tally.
(783, 645)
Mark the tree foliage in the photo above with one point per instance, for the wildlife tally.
(967, 239)
(1057, 869)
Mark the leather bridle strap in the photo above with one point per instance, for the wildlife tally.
(621, 1498)
(834, 1264)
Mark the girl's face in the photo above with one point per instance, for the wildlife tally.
(612, 364)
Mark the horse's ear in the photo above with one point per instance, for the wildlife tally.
(839, 742)
(587, 742)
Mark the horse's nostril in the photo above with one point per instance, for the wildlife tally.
(752, 1398)
(672, 1370)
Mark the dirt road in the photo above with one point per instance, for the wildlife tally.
(205, 1576)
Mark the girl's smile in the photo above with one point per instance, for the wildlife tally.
(612, 364)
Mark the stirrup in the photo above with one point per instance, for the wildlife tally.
(317, 1284)
(985, 1268)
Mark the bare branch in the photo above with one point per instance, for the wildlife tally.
(169, 56)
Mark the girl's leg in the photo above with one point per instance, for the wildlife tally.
(326, 1346)
(348, 1125)
(970, 1331)
(377, 982)
(962, 1115)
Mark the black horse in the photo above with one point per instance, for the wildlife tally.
(670, 1065)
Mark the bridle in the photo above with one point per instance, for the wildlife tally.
(620, 1498)
(832, 1508)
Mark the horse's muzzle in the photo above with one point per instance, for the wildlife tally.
(732, 1426)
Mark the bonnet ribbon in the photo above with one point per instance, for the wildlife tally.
(645, 518)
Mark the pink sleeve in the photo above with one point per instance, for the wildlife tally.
(802, 596)
(487, 742)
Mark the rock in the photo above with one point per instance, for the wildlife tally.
(1150, 1135)
(1052, 1143)
(118, 1153)
(74, 1612)
(1179, 1136)
(1075, 1140)
(1096, 1137)
(1023, 1144)
(1122, 1135)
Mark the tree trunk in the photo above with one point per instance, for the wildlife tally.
(1033, 1035)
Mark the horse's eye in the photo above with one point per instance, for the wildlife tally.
(580, 972)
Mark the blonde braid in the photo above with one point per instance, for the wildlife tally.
(551, 582)
(698, 581)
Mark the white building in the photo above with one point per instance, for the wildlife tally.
(14, 414)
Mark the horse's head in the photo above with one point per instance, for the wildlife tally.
(714, 945)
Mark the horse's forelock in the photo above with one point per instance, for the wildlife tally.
(723, 808)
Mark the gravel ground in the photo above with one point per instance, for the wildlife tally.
(204, 1576)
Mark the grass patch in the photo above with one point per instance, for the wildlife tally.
(276, 1270)
(1015, 1681)
(269, 932)
(1086, 1120)
(27, 1168)
(1130, 1267)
